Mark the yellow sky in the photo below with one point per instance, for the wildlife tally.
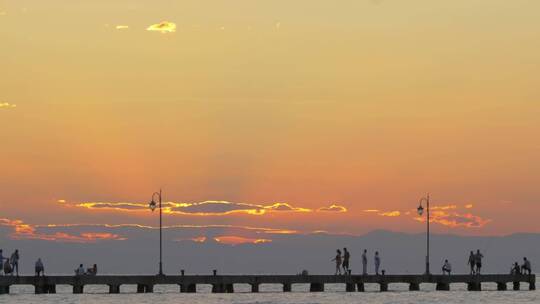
(365, 104)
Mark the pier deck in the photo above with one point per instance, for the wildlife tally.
(225, 283)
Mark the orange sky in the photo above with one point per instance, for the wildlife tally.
(365, 105)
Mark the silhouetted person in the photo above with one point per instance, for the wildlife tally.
(377, 262)
(15, 261)
(478, 259)
(79, 271)
(526, 267)
(447, 267)
(346, 259)
(92, 270)
(515, 269)
(40, 269)
(1, 262)
(472, 262)
(7, 267)
(338, 261)
(364, 262)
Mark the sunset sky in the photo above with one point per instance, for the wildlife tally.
(294, 116)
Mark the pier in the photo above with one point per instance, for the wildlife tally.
(225, 283)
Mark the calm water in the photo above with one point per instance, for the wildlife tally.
(271, 294)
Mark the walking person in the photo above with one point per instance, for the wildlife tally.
(472, 262)
(40, 269)
(478, 259)
(15, 261)
(364, 262)
(337, 259)
(346, 259)
(377, 262)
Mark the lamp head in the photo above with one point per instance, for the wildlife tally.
(152, 205)
(420, 210)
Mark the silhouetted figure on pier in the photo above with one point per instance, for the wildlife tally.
(15, 261)
(40, 269)
(472, 262)
(346, 259)
(92, 270)
(478, 259)
(447, 267)
(526, 267)
(79, 271)
(7, 267)
(515, 269)
(364, 262)
(337, 259)
(1, 261)
(377, 262)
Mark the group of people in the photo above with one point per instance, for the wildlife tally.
(10, 265)
(343, 262)
(525, 268)
(89, 271)
(475, 261)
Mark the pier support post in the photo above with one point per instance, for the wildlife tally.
(188, 288)
(383, 286)
(144, 288)
(114, 288)
(316, 287)
(360, 287)
(140, 288)
(443, 286)
(4, 289)
(516, 286)
(350, 287)
(78, 289)
(39, 289)
(474, 286)
(218, 288)
(51, 288)
(532, 282)
(414, 287)
(287, 287)
(229, 288)
(501, 286)
(254, 287)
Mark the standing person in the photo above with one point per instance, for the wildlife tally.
(346, 259)
(15, 261)
(472, 261)
(39, 268)
(447, 267)
(377, 262)
(364, 262)
(526, 267)
(79, 271)
(338, 261)
(478, 259)
(7, 267)
(1, 262)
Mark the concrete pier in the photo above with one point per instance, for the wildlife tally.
(225, 283)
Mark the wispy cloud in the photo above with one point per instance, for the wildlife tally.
(122, 27)
(333, 208)
(7, 105)
(390, 213)
(455, 219)
(162, 27)
(237, 240)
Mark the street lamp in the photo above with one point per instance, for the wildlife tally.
(420, 213)
(153, 206)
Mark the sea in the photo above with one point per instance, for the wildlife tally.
(272, 294)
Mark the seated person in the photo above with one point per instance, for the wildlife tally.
(92, 271)
(7, 267)
(79, 271)
(447, 267)
(515, 269)
(526, 267)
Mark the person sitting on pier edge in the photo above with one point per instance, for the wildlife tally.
(15, 261)
(364, 262)
(79, 271)
(472, 261)
(447, 267)
(515, 269)
(478, 259)
(346, 258)
(7, 267)
(40, 269)
(377, 262)
(526, 267)
(92, 271)
(338, 261)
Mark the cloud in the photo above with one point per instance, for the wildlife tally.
(455, 219)
(162, 27)
(7, 105)
(206, 208)
(469, 206)
(238, 240)
(390, 213)
(333, 208)
(122, 27)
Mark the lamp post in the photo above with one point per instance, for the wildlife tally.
(153, 206)
(420, 212)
